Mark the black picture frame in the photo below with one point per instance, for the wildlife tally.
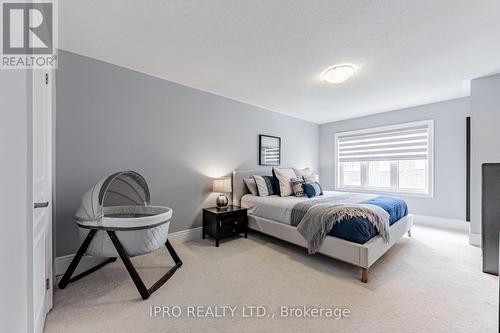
(267, 154)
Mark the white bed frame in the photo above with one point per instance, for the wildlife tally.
(361, 255)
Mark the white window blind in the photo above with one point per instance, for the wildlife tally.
(389, 159)
(405, 143)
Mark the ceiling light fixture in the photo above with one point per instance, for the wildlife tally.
(339, 73)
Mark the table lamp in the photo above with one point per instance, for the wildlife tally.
(222, 185)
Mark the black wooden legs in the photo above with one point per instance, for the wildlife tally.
(141, 287)
(171, 271)
(128, 264)
(76, 260)
(173, 254)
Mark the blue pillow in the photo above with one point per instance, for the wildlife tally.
(271, 185)
(312, 190)
(276, 184)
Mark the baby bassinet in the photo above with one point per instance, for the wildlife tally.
(115, 219)
(120, 202)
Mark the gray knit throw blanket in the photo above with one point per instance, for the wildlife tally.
(316, 218)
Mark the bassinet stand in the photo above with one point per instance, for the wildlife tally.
(141, 287)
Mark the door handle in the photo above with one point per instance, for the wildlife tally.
(41, 204)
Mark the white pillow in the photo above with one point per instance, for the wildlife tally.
(298, 187)
(261, 186)
(302, 172)
(251, 185)
(311, 179)
(285, 176)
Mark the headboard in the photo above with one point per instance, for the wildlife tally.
(239, 187)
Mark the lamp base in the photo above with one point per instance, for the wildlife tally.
(222, 202)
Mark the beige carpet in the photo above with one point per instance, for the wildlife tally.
(429, 283)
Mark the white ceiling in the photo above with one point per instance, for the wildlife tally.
(270, 52)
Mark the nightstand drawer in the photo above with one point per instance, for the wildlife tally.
(232, 215)
(230, 223)
(232, 231)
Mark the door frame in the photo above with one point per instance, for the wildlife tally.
(29, 201)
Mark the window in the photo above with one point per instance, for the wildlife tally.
(352, 173)
(379, 173)
(412, 174)
(392, 159)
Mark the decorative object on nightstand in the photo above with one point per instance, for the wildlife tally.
(222, 185)
(224, 223)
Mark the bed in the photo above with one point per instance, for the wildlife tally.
(357, 243)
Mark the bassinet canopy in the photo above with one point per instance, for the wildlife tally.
(124, 188)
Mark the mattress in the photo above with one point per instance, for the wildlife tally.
(358, 230)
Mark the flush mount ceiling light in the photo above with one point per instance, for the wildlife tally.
(339, 73)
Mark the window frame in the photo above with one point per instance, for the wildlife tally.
(394, 174)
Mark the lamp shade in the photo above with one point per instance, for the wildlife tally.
(222, 185)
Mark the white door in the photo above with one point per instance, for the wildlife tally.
(42, 197)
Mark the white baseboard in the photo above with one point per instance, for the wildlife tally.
(186, 235)
(441, 222)
(475, 239)
(444, 223)
(62, 263)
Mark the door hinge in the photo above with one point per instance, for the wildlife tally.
(47, 284)
(46, 78)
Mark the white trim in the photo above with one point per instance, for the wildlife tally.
(378, 190)
(475, 239)
(441, 222)
(186, 235)
(429, 193)
(62, 263)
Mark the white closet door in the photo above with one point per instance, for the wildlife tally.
(42, 196)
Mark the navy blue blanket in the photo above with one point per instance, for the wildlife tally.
(360, 230)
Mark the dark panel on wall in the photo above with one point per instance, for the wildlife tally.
(467, 171)
(490, 216)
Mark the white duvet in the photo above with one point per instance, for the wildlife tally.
(279, 208)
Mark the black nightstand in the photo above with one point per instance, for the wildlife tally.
(224, 223)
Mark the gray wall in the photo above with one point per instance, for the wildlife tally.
(449, 153)
(16, 203)
(110, 118)
(485, 138)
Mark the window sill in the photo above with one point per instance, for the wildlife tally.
(384, 191)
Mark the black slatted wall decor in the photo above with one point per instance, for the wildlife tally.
(467, 169)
